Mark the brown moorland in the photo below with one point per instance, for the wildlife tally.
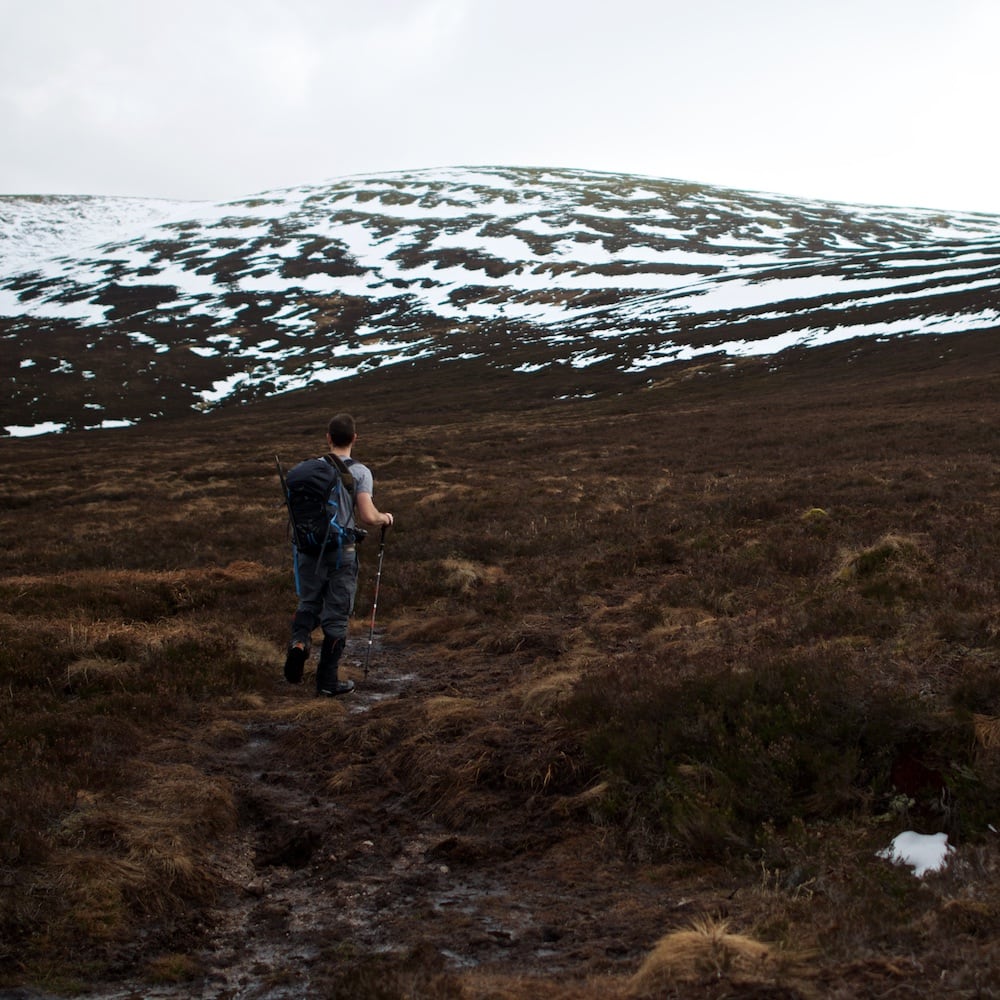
(656, 675)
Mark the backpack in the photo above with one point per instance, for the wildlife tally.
(313, 497)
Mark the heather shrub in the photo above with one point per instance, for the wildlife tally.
(702, 759)
(726, 625)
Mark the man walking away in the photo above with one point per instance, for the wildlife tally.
(326, 581)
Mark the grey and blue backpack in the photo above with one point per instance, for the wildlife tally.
(317, 505)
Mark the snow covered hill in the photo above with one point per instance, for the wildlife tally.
(117, 310)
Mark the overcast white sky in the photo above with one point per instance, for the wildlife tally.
(880, 101)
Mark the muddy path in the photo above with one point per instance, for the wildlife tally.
(330, 881)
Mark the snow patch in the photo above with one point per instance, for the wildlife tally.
(922, 852)
(45, 427)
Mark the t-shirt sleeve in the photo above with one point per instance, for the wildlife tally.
(363, 481)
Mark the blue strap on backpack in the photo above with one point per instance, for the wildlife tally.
(313, 497)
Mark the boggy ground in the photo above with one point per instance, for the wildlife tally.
(336, 885)
(658, 671)
(331, 878)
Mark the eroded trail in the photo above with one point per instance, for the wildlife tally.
(343, 872)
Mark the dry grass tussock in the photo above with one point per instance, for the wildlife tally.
(708, 634)
(706, 950)
(95, 670)
(544, 695)
(312, 714)
(453, 627)
(466, 576)
(987, 729)
(141, 855)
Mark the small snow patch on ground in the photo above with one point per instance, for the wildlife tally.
(922, 852)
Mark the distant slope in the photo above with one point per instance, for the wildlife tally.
(118, 310)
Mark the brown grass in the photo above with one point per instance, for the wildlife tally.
(733, 633)
(119, 859)
(706, 950)
(987, 729)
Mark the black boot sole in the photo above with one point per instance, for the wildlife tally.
(342, 687)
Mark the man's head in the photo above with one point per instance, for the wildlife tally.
(341, 430)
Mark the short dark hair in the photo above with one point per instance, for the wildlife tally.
(341, 430)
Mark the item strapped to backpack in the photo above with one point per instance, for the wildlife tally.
(314, 500)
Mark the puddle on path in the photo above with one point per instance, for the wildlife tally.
(371, 879)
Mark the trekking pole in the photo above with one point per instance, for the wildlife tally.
(378, 578)
(284, 491)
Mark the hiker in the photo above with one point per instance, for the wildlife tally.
(326, 580)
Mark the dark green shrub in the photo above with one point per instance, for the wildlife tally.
(705, 758)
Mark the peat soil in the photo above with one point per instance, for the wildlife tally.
(365, 866)
(318, 887)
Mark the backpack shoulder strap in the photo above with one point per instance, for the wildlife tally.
(345, 472)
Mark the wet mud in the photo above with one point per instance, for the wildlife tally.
(320, 886)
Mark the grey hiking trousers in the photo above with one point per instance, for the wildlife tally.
(326, 589)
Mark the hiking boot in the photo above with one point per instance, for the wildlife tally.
(295, 662)
(326, 669)
(339, 688)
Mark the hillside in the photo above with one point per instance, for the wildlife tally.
(115, 311)
(691, 606)
(656, 677)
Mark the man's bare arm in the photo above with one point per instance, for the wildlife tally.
(369, 514)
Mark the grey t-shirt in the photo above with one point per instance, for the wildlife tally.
(363, 483)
